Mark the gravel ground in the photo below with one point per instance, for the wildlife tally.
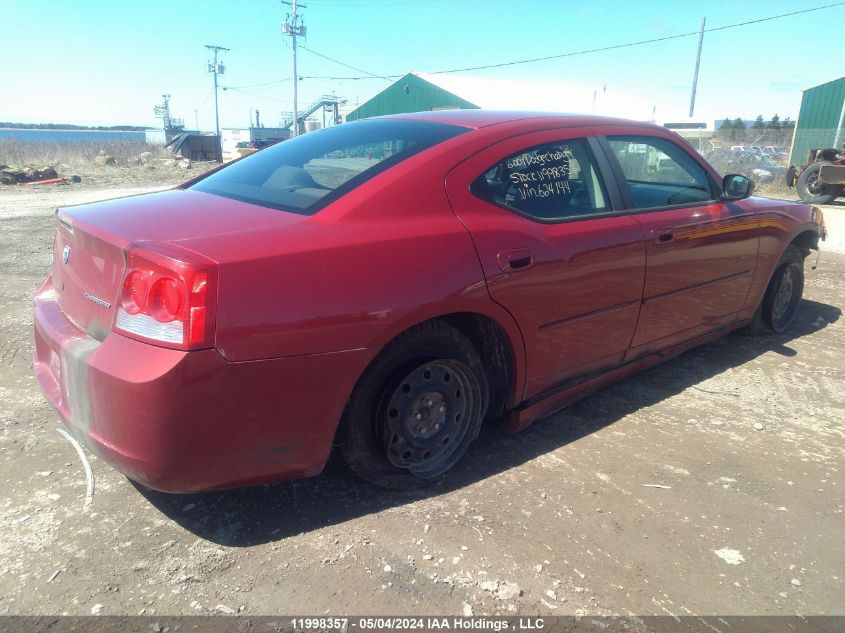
(709, 485)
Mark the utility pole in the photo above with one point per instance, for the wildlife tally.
(217, 69)
(697, 64)
(293, 27)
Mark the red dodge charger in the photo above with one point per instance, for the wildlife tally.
(386, 286)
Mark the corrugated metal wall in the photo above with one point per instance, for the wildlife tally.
(409, 94)
(820, 119)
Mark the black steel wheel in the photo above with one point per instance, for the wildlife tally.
(425, 417)
(783, 295)
(811, 190)
(786, 291)
(416, 409)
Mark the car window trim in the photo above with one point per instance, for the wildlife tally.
(604, 167)
(669, 207)
(625, 188)
(571, 218)
(339, 192)
(601, 165)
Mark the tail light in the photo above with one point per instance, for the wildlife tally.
(168, 296)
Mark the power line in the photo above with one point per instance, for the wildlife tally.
(251, 94)
(204, 101)
(331, 78)
(639, 43)
(600, 49)
(336, 61)
(265, 83)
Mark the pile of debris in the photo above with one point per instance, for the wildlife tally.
(10, 175)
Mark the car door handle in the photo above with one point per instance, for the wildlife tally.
(665, 235)
(515, 259)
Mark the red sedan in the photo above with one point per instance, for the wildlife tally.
(385, 286)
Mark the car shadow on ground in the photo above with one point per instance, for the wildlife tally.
(262, 514)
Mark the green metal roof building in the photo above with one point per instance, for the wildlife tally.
(409, 94)
(821, 120)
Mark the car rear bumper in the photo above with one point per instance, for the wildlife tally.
(180, 421)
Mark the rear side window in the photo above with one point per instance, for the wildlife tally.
(308, 172)
(659, 173)
(547, 183)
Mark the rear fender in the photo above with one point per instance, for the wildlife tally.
(480, 305)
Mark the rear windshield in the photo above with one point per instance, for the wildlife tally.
(308, 172)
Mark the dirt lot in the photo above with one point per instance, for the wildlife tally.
(744, 438)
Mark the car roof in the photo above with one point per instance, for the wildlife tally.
(484, 118)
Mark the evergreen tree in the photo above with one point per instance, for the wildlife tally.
(725, 131)
(774, 131)
(739, 131)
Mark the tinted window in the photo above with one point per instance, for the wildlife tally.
(546, 183)
(308, 172)
(660, 173)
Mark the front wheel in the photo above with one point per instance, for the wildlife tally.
(812, 191)
(416, 409)
(783, 295)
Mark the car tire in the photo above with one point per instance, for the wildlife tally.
(810, 190)
(790, 177)
(783, 295)
(416, 409)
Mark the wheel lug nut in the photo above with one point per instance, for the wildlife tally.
(429, 402)
(418, 416)
(420, 429)
(442, 408)
(437, 426)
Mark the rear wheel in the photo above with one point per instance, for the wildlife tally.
(811, 190)
(416, 410)
(783, 295)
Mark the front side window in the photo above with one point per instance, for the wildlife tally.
(306, 173)
(659, 173)
(547, 183)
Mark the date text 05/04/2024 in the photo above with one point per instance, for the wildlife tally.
(417, 624)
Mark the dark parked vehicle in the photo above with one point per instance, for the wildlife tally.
(385, 286)
(258, 144)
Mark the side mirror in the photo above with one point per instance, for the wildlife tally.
(736, 187)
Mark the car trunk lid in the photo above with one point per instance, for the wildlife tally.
(89, 254)
(87, 271)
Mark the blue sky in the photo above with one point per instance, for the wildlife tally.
(108, 62)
